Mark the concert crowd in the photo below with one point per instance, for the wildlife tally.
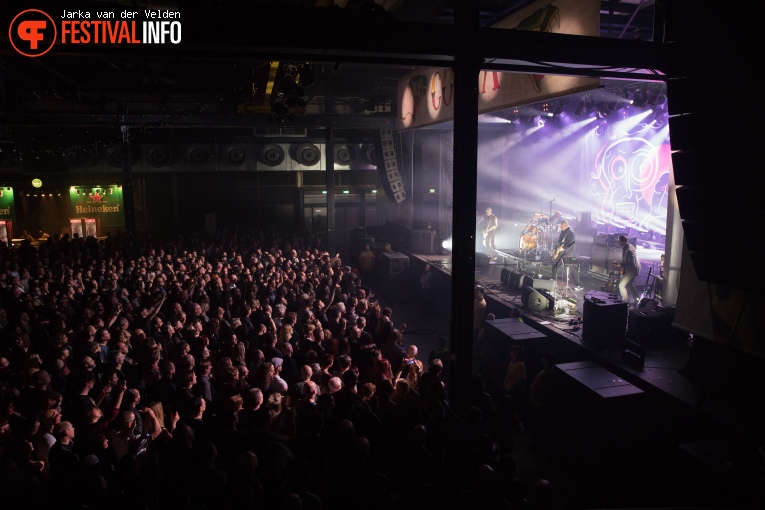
(244, 370)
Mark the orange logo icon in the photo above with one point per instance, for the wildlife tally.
(32, 33)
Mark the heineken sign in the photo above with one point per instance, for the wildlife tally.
(101, 202)
(7, 209)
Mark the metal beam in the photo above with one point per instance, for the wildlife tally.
(191, 121)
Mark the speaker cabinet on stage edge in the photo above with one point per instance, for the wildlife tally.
(604, 317)
(537, 300)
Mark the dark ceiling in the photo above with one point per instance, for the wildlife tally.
(96, 89)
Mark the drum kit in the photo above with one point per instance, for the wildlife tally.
(536, 238)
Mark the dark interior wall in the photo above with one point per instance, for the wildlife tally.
(426, 176)
(37, 213)
(179, 202)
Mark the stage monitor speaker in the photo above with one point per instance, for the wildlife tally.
(526, 281)
(481, 259)
(514, 282)
(504, 276)
(604, 317)
(536, 300)
(543, 284)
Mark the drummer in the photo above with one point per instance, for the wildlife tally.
(555, 220)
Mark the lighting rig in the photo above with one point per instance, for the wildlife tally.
(288, 98)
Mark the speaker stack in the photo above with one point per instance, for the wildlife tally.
(604, 317)
(390, 175)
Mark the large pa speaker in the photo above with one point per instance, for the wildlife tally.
(604, 317)
(395, 263)
(387, 168)
(537, 300)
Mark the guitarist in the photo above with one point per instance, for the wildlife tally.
(631, 267)
(490, 225)
(564, 249)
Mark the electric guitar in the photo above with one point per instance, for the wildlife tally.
(488, 230)
(559, 251)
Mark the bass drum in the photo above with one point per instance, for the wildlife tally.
(528, 242)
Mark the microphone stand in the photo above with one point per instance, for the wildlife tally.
(550, 228)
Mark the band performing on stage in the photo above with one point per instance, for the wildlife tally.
(551, 241)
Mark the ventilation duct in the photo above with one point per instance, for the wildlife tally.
(271, 155)
(197, 155)
(235, 154)
(307, 154)
(158, 156)
(344, 154)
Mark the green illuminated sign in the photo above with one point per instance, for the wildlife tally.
(101, 202)
(7, 208)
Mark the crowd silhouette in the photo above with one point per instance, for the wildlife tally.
(244, 370)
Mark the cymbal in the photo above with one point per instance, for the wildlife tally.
(540, 215)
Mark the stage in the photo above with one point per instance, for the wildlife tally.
(662, 358)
